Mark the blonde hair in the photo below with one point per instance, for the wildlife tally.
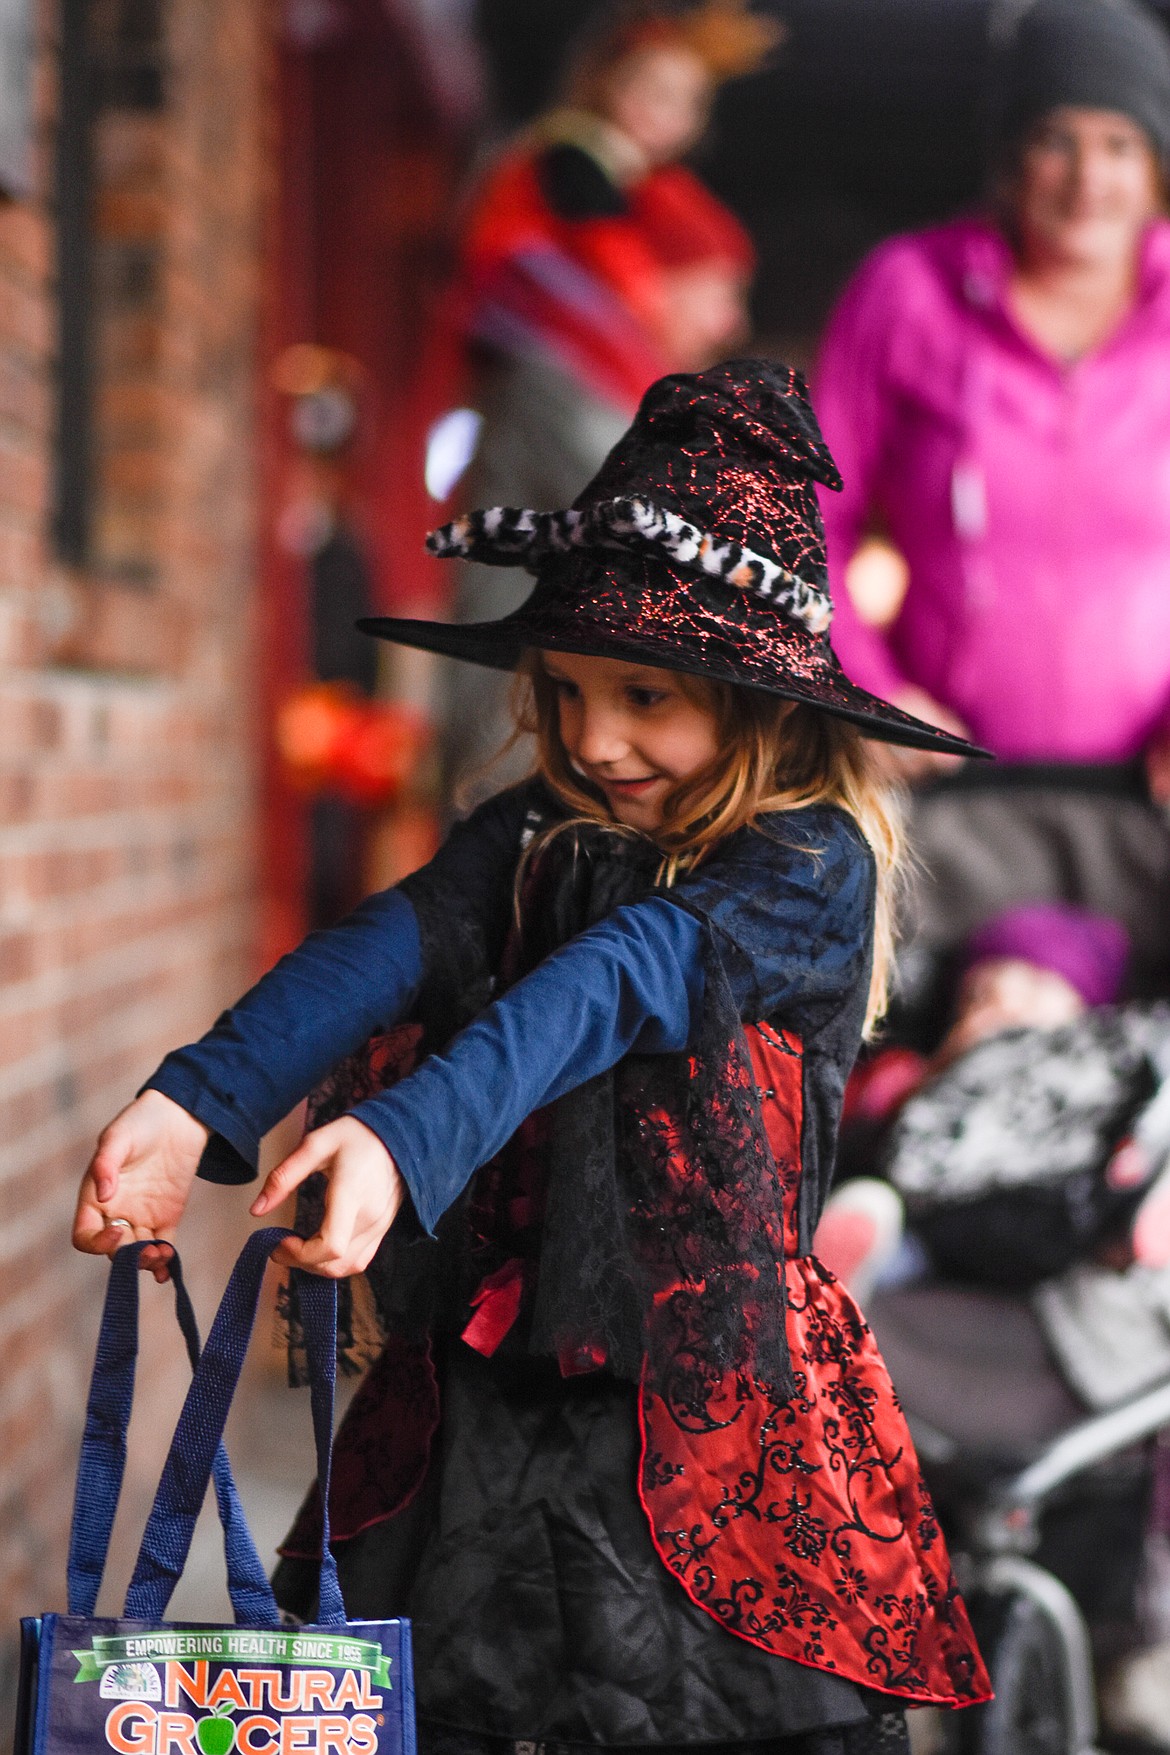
(775, 756)
(726, 36)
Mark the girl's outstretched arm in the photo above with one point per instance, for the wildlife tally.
(633, 982)
(787, 920)
(207, 1107)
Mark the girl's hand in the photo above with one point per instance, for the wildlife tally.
(140, 1175)
(364, 1195)
(1158, 768)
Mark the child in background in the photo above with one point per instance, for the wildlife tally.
(1011, 1144)
(1033, 966)
(591, 261)
(630, 1459)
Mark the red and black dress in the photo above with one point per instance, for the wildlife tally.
(631, 1460)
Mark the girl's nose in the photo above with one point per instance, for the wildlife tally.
(601, 739)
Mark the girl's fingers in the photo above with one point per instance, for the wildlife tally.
(158, 1261)
(310, 1155)
(100, 1238)
(311, 1254)
(317, 1255)
(106, 1166)
(93, 1233)
(333, 1249)
(116, 1145)
(362, 1199)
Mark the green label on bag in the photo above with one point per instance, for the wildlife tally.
(232, 1645)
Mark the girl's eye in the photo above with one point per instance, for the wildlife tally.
(568, 691)
(646, 697)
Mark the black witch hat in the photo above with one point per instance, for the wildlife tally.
(697, 547)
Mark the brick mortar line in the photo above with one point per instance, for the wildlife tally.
(224, 877)
(47, 918)
(140, 1021)
(95, 901)
(140, 957)
(101, 905)
(114, 829)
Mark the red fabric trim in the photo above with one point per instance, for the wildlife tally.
(805, 1527)
(497, 1305)
(381, 1452)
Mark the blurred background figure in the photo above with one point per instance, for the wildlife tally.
(994, 391)
(591, 262)
(350, 751)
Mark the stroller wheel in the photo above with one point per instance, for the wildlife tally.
(1035, 1647)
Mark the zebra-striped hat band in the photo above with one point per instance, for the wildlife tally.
(507, 535)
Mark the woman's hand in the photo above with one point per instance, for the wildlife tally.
(1158, 768)
(138, 1179)
(910, 766)
(364, 1195)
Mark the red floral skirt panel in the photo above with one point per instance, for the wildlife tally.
(805, 1526)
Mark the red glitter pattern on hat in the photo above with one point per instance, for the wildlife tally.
(736, 453)
(742, 444)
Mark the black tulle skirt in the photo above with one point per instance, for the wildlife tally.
(542, 1613)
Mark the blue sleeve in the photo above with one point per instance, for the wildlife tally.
(326, 998)
(634, 982)
(317, 1005)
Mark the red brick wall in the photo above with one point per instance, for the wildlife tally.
(128, 726)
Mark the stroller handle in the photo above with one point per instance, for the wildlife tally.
(1089, 1442)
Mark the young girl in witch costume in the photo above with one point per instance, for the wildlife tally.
(629, 1458)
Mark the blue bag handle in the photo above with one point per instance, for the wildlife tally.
(167, 1539)
(102, 1463)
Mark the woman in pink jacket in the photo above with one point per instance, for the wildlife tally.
(997, 393)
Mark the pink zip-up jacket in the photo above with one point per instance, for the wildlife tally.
(1030, 498)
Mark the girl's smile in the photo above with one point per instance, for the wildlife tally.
(631, 730)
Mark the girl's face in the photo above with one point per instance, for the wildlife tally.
(659, 97)
(1086, 187)
(631, 731)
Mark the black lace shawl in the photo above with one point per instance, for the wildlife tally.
(661, 1244)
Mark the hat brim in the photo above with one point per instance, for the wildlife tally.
(500, 645)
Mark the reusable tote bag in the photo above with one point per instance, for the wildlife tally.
(144, 1686)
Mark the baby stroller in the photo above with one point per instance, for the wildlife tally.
(1006, 1164)
(1017, 1466)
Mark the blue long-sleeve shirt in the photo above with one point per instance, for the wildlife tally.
(787, 912)
(634, 981)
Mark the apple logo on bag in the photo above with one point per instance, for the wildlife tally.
(216, 1734)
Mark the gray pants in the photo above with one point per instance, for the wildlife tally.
(982, 849)
(543, 438)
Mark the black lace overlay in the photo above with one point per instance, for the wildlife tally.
(654, 1249)
(417, 1283)
(397, 1293)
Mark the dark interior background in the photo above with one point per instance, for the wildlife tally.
(871, 120)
